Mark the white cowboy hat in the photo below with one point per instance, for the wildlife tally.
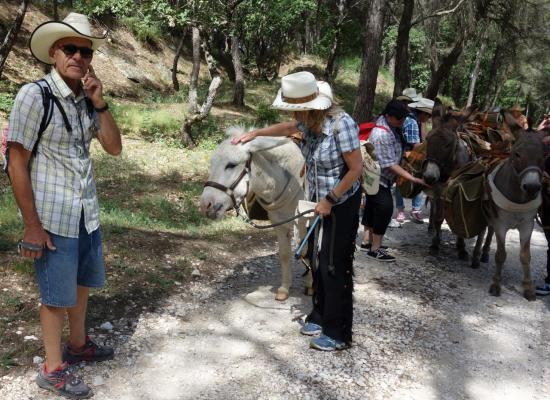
(425, 105)
(409, 94)
(301, 92)
(45, 35)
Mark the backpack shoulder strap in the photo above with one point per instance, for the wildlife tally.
(48, 102)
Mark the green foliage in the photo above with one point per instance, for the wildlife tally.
(144, 29)
(418, 58)
(6, 102)
(265, 115)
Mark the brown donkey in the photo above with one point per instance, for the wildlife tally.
(446, 153)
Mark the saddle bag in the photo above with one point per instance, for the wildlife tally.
(412, 162)
(462, 200)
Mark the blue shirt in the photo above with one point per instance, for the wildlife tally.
(411, 130)
(323, 154)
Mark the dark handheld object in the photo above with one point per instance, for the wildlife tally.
(21, 245)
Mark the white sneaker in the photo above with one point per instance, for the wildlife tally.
(394, 224)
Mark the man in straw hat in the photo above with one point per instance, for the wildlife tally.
(52, 181)
(334, 165)
(517, 113)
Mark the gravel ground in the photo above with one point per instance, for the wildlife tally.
(425, 328)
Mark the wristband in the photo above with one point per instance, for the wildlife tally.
(331, 197)
(102, 109)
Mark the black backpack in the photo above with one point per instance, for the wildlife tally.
(48, 102)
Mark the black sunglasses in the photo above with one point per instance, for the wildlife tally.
(70, 50)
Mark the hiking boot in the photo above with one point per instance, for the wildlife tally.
(401, 217)
(63, 382)
(417, 217)
(91, 351)
(543, 290)
(326, 343)
(381, 255)
(311, 329)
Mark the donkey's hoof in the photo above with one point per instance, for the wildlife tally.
(282, 294)
(474, 264)
(494, 290)
(434, 251)
(463, 256)
(529, 294)
(308, 291)
(484, 258)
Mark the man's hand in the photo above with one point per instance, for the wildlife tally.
(94, 88)
(36, 236)
(323, 208)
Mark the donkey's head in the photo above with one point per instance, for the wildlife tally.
(229, 177)
(526, 157)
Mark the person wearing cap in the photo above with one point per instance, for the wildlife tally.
(517, 113)
(54, 188)
(389, 145)
(412, 134)
(334, 165)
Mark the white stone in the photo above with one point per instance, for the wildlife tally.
(37, 360)
(31, 337)
(107, 326)
(98, 380)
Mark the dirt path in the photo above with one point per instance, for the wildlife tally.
(425, 328)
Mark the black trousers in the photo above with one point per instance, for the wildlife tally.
(378, 210)
(545, 220)
(333, 284)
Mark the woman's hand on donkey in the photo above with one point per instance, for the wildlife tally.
(245, 137)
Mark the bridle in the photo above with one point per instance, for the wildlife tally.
(230, 190)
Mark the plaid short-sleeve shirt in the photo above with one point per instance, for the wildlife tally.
(388, 150)
(323, 154)
(61, 170)
(411, 130)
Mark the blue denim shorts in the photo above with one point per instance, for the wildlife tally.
(74, 262)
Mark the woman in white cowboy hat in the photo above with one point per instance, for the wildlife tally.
(334, 165)
(51, 175)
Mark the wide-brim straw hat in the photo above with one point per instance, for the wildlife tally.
(302, 92)
(424, 105)
(516, 107)
(409, 94)
(74, 25)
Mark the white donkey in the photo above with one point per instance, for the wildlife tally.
(271, 169)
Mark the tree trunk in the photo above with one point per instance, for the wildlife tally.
(329, 75)
(444, 68)
(203, 112)
(477, 67)
(493, 74)
(196, 40)
(12, 34)
(238, 96)
(175, 81)
(69, 4)
(55, 11)
(374, 26)
(402, 74)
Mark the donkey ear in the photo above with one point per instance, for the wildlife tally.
(513, 124)
(438, 112)
(263, 143)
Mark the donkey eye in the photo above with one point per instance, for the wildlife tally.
(230, 166)
(517, 155)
